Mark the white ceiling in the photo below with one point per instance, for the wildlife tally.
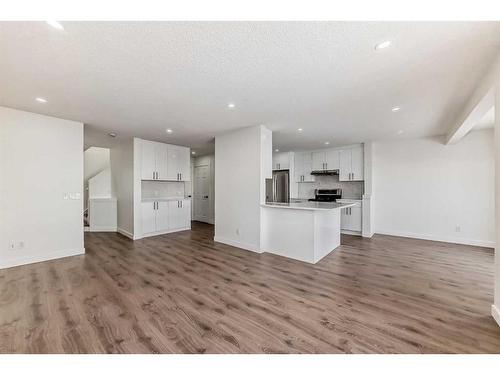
(137, 79)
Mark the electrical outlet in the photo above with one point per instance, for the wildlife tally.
(12, 245)
(20, 245)
(457, 228)
(238, 231)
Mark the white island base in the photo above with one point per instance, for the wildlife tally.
(306, 232)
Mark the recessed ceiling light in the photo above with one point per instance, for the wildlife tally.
(170, 131)
(112, 135)
(395, 109)
(55, 25)
(277, 150)
(382, 45)
(400, 132)
(193, 152)
(231, 105)
(300, 129)
(41, 100)
(327, 143)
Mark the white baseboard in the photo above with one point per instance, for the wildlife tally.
(495, 313)
(351, 232)
(103, 229)
(461, 241)
(241, 245)
(208, 221)
(165, 232)
(41, 258)
(125, 233)
(86, 229)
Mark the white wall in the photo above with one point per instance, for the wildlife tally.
(424, 189)
(242, 159)
(210, 161)
(99, 186)
(496, 307)
(122, 179)
(41, 163)
(95, 160)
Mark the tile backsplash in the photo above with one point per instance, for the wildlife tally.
(351, 189)
(163, 189)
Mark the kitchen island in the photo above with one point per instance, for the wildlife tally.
(306, 231)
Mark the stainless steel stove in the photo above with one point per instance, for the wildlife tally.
(326, 195)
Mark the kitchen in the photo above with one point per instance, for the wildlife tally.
(311, 199)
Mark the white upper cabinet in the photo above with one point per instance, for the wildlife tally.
(281, 160)
(160, 161)
(318, 160)
(357, 164)
(325, 160)
(332, 159)
(148, 165)
(351, 164)
(303, 167)
(178, 163)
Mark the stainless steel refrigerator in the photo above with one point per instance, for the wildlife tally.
(278, 188)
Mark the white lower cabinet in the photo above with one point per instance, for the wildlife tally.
(351, 217)
(165, 215)
(179, 213)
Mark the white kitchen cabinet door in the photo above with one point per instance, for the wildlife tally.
(332, 159)
(162, 216)
(148, 217)
(148, 160)
(173, 214)
(318, 161)
(161, 154)
(281, 160)
(303, 167)
(173, 156)
(357, 162)
(185, 214)
(355, 219)
(344, 219)
(184, 163)
(345, 165)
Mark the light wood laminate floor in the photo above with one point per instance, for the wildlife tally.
(183, 293)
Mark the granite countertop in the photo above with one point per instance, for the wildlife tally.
(308, 205)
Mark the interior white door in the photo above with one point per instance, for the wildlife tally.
(318, 161)
(148, 165)
(162, 217)
(345, 165)
(357, 164)
(201, 192)
(148, 217)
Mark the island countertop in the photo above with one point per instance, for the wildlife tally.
(314, 206)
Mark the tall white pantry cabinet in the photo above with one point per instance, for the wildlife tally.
(163, 164)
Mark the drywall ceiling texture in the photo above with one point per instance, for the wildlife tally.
(140, 78)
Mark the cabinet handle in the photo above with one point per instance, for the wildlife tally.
(326, 165)
(180, 176)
